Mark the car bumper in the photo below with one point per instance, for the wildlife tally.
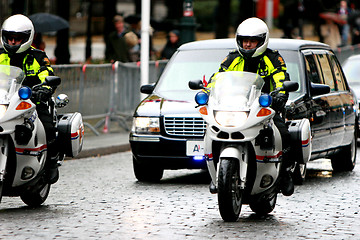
(169, 153)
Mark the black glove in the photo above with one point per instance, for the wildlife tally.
(279, 101)
(41, 94)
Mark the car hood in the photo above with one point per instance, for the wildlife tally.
(168, 103)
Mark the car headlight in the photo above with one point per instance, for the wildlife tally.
(146, 125)
(230, 119)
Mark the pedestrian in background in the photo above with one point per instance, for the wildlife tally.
(356, 31)
(172, 44)
(116, 47)
(330, 33)
(38, 42)
(344, 12)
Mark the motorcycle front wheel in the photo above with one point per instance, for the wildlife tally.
(36, 198)
(229, 192)
(264, 205)
(1, 187)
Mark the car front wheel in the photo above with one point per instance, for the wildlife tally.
(345, 159)
(147, 172)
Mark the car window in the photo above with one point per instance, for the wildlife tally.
(325, 68)
(291, 59)
(312, 74)
(190, 65)
(339, 78)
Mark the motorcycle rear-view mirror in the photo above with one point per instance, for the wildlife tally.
(52, 81)
(289, 86)
(196, 84)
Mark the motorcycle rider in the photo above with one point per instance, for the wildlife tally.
(252, 55)
(17, 35)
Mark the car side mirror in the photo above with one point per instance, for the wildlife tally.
(319, 89)
(196, 84)
(147, 89)
(289, 86)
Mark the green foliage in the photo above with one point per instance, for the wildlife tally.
(204, 12)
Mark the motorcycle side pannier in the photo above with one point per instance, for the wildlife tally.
(71, 134)
(300, 140)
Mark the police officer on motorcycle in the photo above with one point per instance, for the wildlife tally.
(252, 55)
(17, 35)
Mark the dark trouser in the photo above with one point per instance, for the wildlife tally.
(50, 131)
(285, 138)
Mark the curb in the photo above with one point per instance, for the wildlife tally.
(87, 153)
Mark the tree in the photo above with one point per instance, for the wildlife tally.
(62, 52)
(246, 10)
(222, 17)
(109, 13)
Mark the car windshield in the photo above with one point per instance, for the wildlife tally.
(186, 66)
(292, 61)
(201, 64)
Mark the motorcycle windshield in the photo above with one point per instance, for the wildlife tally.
(235, 91)
(10, 75)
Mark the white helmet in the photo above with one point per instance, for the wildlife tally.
(19, 27)
(254, 28)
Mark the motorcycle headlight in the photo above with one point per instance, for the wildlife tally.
(146, 125)
(3, 109)
(230, 119)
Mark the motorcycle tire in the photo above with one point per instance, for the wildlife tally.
(264, 205)
(36, 198)
(229, 192)
(1, 188)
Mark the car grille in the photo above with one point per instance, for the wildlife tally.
(185, 126)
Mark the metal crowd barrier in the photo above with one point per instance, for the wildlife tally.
(109, 92)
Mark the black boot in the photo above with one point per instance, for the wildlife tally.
(287, 184)
(286, 181)
(53, 174)
(212, 188)
(52, 171)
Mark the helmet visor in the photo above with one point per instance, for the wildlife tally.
(260, 38)
(15, 38)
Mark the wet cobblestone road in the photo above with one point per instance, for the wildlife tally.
(99, 198)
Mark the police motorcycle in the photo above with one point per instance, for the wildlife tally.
(23, 145)
(243, 147)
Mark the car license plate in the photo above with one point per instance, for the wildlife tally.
(195, 148)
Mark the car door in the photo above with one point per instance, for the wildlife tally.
(336, 108)
(347, 98)
(319, 106)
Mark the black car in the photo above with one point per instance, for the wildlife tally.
(168, 132)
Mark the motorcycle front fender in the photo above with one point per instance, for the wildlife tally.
(240, 154)
(3, 157)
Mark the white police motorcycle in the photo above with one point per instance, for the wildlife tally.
(23, 145)
(243, 147)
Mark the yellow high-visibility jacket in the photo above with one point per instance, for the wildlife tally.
(270, 66)
(33, 62)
